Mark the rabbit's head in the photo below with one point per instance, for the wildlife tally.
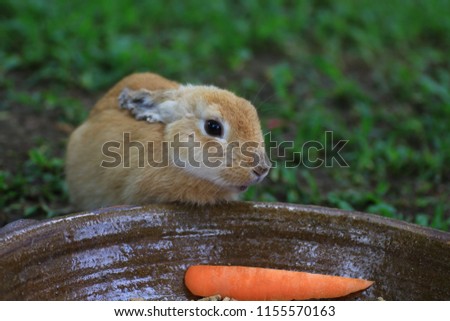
(212, 134)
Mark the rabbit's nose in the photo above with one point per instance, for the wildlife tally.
(263, 167)
(261, 170)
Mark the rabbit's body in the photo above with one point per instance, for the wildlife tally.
(151, 173)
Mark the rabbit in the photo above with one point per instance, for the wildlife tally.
(152, 140)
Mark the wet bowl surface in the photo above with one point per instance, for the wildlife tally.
(123, 253)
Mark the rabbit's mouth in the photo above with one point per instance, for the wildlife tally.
(242, 188)
(238, 188)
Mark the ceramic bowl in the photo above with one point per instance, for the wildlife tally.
(124, 253)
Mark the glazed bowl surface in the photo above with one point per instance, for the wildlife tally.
(124, 253)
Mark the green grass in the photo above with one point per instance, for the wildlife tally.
(376, 73)
(36, 187)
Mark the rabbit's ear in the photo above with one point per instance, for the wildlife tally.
(152, 106)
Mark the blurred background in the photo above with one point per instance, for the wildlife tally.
(376, 73)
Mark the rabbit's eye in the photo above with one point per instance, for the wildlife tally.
(213, 128)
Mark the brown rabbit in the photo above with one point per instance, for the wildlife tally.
(153, 140)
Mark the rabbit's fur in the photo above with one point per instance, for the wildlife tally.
(146, 109)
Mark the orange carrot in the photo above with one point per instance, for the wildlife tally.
(255, 284)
